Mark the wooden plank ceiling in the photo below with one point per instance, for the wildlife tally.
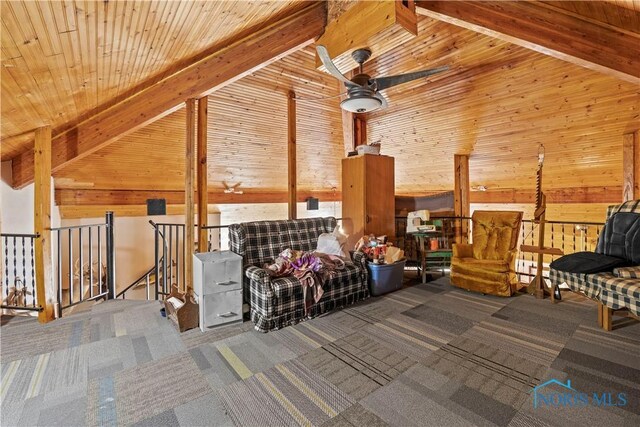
(497, 104)
(62, 61)
(246, 138)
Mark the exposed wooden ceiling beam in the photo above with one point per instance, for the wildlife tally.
(203, 77)
(64, 197)
(549, 31)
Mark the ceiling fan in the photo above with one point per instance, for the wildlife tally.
(363, 92)
(231, 189)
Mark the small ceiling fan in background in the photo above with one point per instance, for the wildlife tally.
(232, 189)
(363, 92)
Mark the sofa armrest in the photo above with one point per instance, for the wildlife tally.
(462, 250)
(259, 280)
(360, 260)
(258, 274)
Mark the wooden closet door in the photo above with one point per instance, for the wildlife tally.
(353, 199)
(380, 196)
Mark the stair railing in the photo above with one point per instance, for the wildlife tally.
(84, 262)
(19, 272)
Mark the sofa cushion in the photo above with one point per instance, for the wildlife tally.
(627, 272)
(620, 237)
(587, 263)
(288, 286)
(577, 282)
(495, 233)
(628, 287)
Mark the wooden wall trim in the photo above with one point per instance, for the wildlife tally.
(232, 62)
(611, 194)
(73, 197)
(551, 32)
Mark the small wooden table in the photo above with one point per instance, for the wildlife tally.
(439, 258)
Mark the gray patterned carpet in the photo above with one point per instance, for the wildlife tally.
(426, 355)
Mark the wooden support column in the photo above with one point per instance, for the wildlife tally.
(189, 173)
(461, 204)
(359, 130)
(42, 223)
(348, 130)
(630, 166)
(203, 203)
(291, 150)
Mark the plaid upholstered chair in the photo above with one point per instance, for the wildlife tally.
(279, 302)
(616, 291)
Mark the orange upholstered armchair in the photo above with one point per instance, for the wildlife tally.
(488, 265)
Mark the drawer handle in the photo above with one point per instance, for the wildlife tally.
(230, 282)
(229, 314)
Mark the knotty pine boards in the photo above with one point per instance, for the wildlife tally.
(63, 60)
(247, 138)
(497, 104)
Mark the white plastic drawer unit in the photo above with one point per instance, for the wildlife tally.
(217, 282)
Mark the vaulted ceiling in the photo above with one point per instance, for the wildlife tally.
(64, 60)
(498, 102)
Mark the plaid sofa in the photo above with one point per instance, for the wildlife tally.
(618, 289)
(278, 302)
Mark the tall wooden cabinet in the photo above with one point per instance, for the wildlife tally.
(368, 196)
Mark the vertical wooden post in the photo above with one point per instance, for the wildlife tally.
(628, 160)
(42, 222)
(461, 204)
(203, 238)
(291, 150)
(359, 130)
(189, 208)
(636, 164)
(348, 131)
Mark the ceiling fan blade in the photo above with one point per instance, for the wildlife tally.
(382, 99)
(382, 83)
(331, 67)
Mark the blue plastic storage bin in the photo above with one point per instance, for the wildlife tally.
(384, 278)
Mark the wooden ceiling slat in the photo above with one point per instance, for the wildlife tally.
(108, 49)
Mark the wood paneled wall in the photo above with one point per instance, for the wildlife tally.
(247, 138)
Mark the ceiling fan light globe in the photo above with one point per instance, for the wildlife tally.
(361, 104)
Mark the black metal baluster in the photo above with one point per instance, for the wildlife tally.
(33, 273)
(15, 265)
(100, 269)
(59, 272)
(5, 243)
(91, 262)
(70, 251)
(81, 257)
(184, 255)
(164, 260)
(24, 271)
(170, 245)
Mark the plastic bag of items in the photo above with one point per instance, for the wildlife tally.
(333, 243)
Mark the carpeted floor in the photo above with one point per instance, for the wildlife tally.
(426, 355)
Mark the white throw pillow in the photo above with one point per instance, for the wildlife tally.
(333, 243)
